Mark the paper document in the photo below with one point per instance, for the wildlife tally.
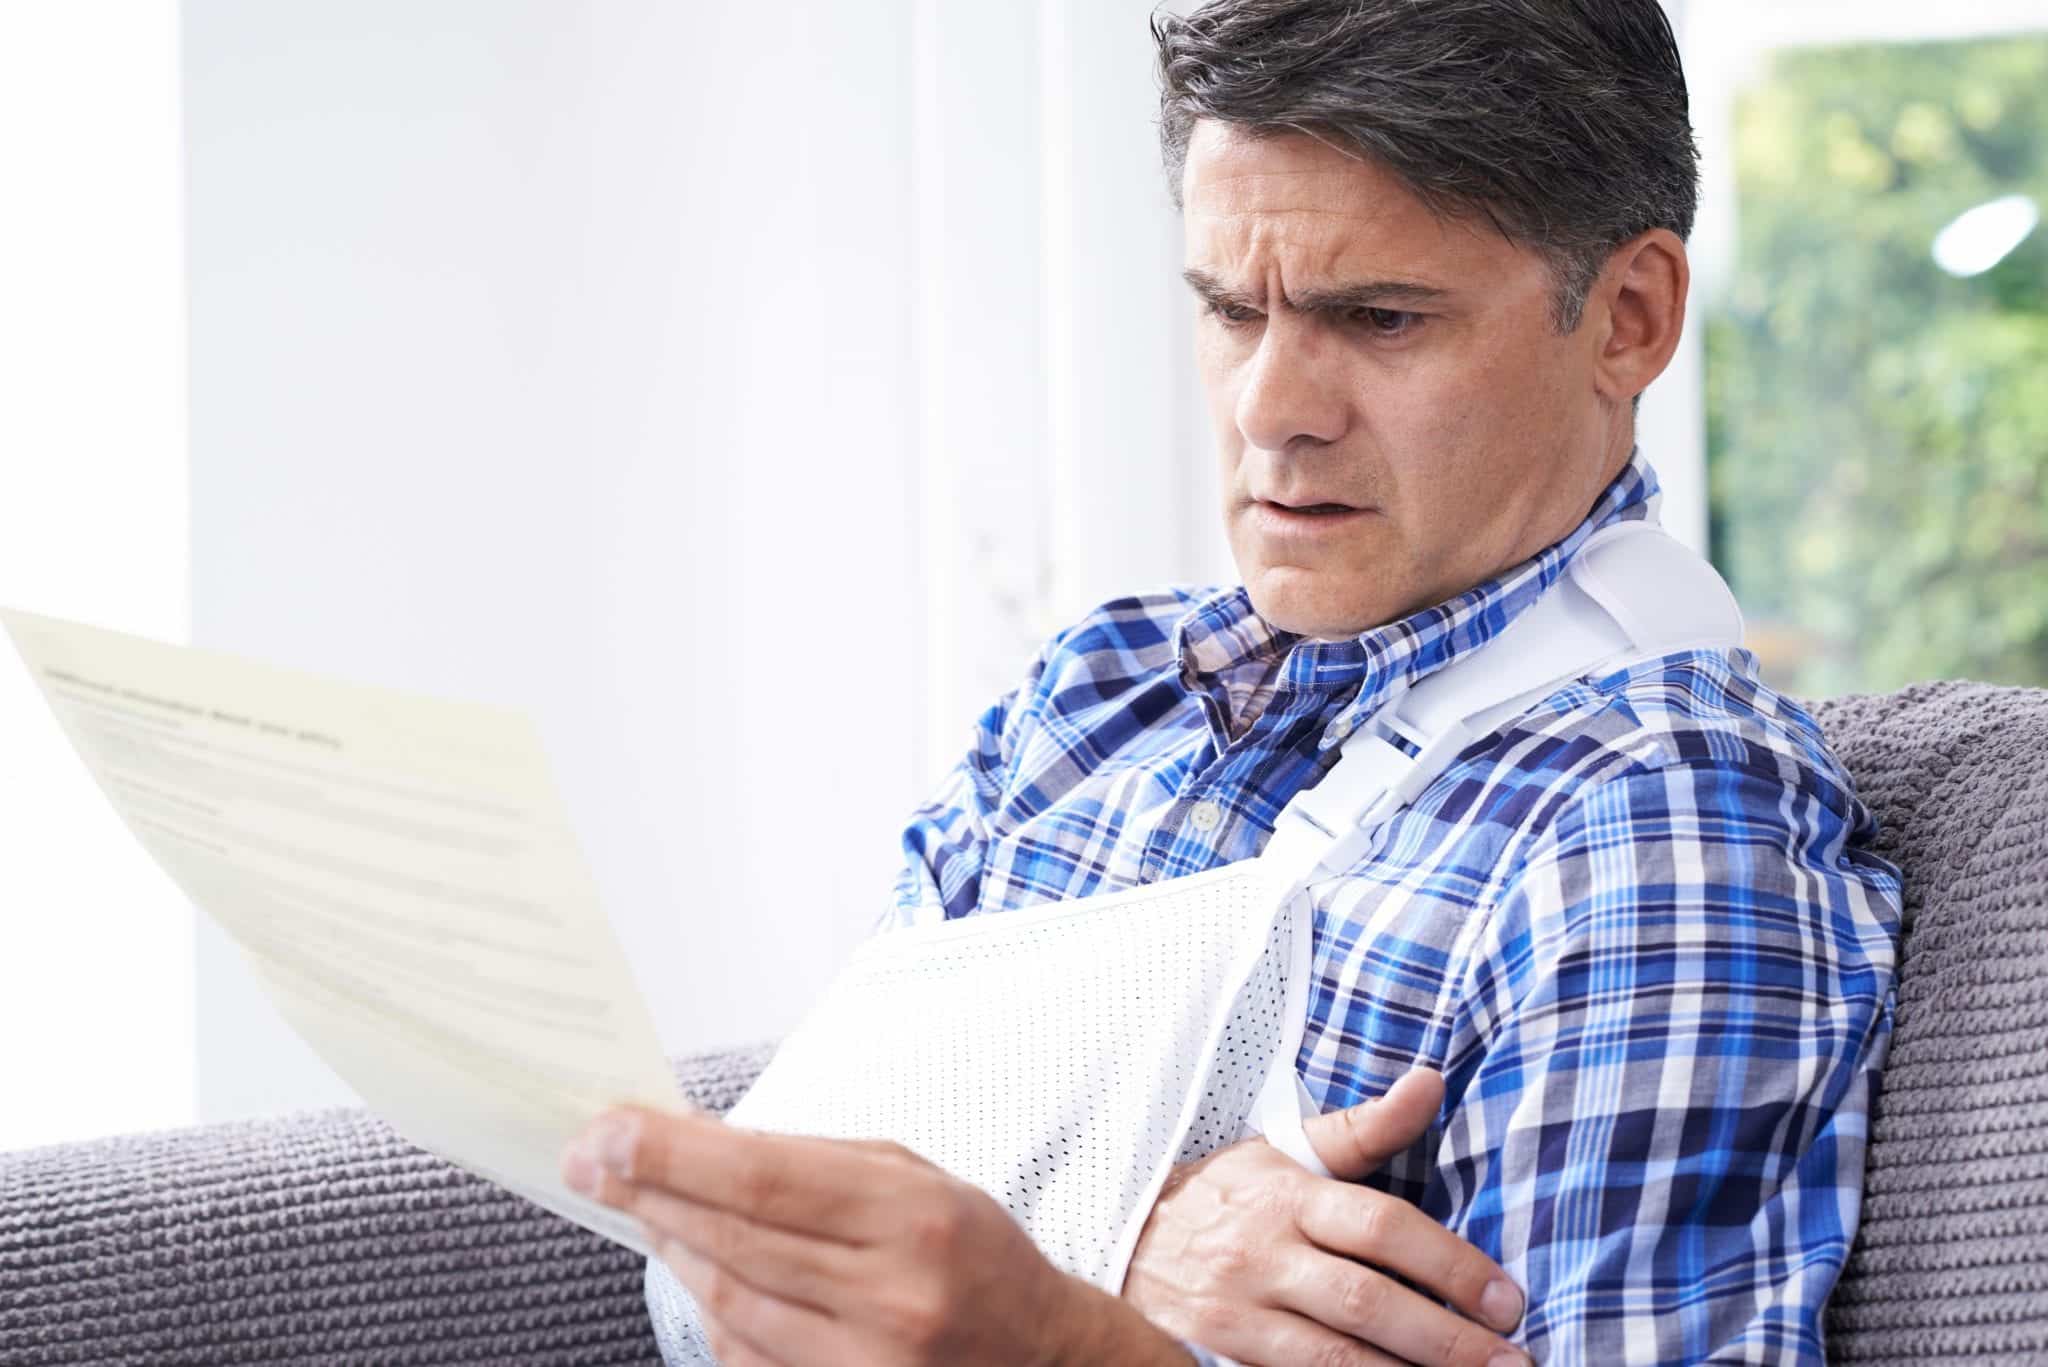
(402, 875)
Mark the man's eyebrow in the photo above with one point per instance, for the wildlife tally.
(1362, 294)
(1215, 291)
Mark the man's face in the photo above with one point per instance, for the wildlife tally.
(1397, 418)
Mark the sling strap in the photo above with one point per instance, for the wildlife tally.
(1632, 593)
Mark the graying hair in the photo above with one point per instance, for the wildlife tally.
(1563, 122)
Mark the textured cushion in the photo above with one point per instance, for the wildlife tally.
(321, 1236)
(1951, 1263)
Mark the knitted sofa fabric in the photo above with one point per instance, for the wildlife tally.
(318, 1237)
(324, 1237)
(1951, 1262)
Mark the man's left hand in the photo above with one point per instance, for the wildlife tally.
(801, 1250)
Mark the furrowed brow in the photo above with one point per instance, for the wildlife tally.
(1364, 294)
(1215, 291)
(1370, 294)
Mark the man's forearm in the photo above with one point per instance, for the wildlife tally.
(1108, 1331)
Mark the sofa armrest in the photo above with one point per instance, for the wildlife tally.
(317, 1236)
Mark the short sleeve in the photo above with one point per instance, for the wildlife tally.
(1665, 1062)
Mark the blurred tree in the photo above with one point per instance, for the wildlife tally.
(1877, 430)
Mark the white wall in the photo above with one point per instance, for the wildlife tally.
(715, 382)
(96, 976)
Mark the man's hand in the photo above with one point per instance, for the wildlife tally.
(1250, 1255)
(844, 1254)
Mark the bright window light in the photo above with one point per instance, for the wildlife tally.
(1982, 237)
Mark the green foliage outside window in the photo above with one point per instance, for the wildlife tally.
(1877, 429)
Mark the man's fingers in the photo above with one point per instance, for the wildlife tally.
(812, 1186)
(1390, 1234)
(745, 1326)
(1376, 1309)
(798, 1268)
(1259, 1336)
(1387, 1233)
(1355, 1141)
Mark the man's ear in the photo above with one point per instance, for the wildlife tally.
(1643, 290)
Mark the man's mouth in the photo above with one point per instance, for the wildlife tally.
(1304, 519)
(1311, 507)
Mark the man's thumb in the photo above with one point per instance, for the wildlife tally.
(1354, 1141)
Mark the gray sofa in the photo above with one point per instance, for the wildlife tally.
(325, 1237)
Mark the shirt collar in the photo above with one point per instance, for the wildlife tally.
(1222, 634)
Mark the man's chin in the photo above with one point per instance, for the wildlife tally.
(1310, 609)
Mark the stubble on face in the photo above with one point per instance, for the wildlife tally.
(1358, 349)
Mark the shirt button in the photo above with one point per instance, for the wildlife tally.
(1206, 815)
(1343, 726)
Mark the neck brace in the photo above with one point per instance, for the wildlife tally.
(1064, 1058)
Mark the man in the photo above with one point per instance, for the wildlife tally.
(1621, 979)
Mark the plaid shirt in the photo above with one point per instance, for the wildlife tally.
(1640, 930)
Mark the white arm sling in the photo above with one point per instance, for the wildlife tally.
(1064, 1058)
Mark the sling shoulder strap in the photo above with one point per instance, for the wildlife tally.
(1631, 593)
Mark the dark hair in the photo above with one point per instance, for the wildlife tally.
(1564, 122)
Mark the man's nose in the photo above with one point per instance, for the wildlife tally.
(1291, 391)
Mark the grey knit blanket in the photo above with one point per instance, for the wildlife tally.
(325, 1237)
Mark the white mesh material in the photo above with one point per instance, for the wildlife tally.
(1255, 1025)
(1060, 1058)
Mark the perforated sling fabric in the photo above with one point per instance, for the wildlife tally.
(1152, 1014)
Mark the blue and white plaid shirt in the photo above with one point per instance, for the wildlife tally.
(1640, 931)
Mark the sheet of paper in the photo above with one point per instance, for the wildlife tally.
(403, 878)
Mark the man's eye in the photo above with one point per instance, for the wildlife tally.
(1385, 322)
(1232, 315)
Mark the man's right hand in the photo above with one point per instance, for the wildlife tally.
(1250, 1255)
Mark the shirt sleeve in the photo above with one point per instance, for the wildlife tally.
(1664, 1065)
(947, 837)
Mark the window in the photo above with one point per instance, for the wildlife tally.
(1877, 361)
